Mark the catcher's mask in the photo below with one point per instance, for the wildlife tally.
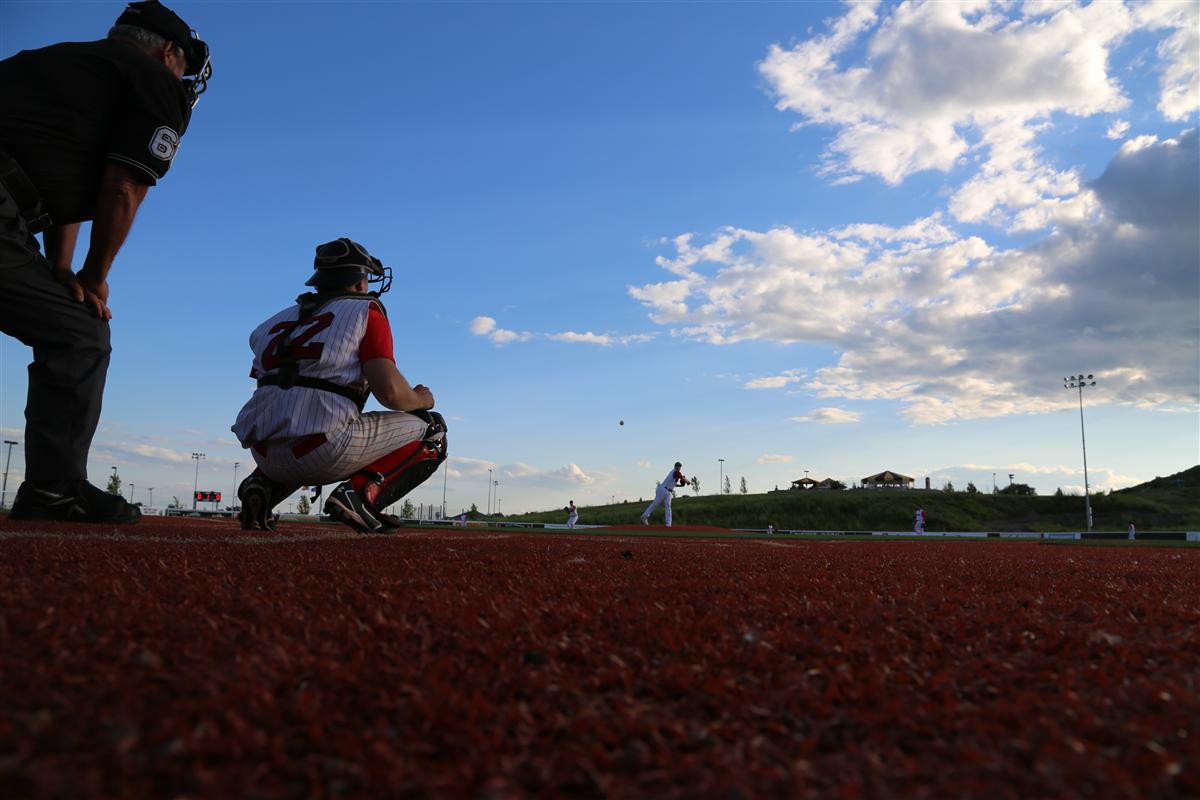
(343, 262)
(153, 16)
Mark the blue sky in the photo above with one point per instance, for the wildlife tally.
(796, 236)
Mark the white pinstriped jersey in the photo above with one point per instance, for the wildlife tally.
(325, 346)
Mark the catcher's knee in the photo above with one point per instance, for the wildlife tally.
(419, 460)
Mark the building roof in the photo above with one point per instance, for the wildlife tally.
(887, 476)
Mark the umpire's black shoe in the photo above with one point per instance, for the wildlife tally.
(72, 501)
(346, 506)
(106, 507)
(49, 502)
(254, 496)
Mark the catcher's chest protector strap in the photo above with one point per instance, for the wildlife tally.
(288, 375)
(358, 394)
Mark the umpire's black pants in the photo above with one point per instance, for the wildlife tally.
(71, 349)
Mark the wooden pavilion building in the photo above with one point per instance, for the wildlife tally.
(887, 480)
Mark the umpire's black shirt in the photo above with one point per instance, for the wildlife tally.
(67, 109)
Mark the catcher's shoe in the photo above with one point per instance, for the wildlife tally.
(390, 521)
(645, 521)
(346, 506)
(254, 495)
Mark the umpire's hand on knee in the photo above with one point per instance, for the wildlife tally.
(93, 297)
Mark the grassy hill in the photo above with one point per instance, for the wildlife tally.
(1171, 503)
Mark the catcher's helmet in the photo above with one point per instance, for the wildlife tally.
(343, 262)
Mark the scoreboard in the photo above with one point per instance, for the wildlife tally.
(208, 497)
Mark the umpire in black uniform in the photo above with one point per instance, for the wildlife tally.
(86, 128)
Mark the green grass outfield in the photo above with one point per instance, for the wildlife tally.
(1164, 504)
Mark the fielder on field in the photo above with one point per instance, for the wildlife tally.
(316, 363)
(665, 491)
(572, 514)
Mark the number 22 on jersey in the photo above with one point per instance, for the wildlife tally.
(300, 345)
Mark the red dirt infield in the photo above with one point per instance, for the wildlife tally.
(184, 658)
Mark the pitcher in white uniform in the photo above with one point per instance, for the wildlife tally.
(316, 363)
(665, 491)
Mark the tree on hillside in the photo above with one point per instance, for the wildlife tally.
(1058, 492)
(473, 512)
(303, 506)
(949, 487)
(744, 485)
(836, 485)
(114, 483)
(971, 488)
(727, 488)
(695, 485)
(1019, 489)
(407, 509)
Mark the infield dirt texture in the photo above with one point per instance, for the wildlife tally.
(185, 659)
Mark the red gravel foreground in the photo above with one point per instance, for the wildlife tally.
(183, 659)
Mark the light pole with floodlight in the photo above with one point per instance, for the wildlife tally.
(233, 501)
(489, 503)
(7, 461)
(195, 486)
(131, 493)
(720, 475)
(445, 474)
(151, 490)
(1079, 382)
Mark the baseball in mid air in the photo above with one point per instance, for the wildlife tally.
(622, 422)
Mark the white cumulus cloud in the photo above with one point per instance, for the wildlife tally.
(1117, 130)
(829, 416)
(959, 329)
(934, 85)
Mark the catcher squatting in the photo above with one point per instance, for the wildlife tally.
(316, 363)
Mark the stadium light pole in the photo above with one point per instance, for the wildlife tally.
(720, 474)
(195, 486)
(1079, 382)
(7, 461)
(151, 490)
(489, 503)
(130, 492)
(233, 501)
(445, 473)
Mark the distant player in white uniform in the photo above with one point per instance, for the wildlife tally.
(572, 515)
(919, 521)
(664, 492)
(316, 363)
